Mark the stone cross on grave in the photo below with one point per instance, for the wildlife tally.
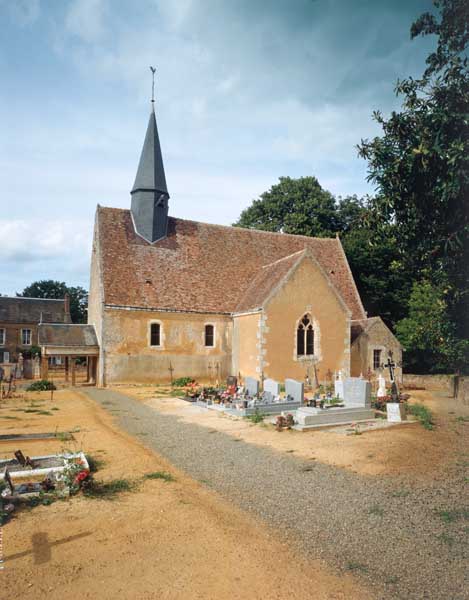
(391, 365)
(171, 370)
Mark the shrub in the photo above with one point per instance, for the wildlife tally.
(182, 381)
(257, 417)
(43, 385)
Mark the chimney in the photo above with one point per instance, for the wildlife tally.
(68, 318)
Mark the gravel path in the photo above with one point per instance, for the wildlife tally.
(389, 533)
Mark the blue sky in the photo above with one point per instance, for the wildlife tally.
(247, 91)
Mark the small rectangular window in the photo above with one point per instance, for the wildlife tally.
(26, 337)
(155, 337)
(209, 336)
(3, 335)
(376, 359)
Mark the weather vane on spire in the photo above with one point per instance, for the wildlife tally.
(153, 71)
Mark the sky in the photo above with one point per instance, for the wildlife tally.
(247, 91)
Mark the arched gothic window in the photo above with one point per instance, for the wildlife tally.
(305, 337)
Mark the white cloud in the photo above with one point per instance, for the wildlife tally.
(39, 240)
(86, 19)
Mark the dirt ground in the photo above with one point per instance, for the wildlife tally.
(406, 449)
(164, 540)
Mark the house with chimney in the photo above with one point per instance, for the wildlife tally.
(170, 297)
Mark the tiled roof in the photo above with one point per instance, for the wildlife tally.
(29, 310)
(267, 278)
(202, 267)
(359, 326)
(67, 335)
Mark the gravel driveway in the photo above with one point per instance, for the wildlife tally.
(391, 534)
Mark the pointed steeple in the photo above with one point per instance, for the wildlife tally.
(149, 194)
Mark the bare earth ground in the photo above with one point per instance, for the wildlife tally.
(174, 540)
(405, 449)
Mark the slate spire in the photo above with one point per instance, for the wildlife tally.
(149, 194)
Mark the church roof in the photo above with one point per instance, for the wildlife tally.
(30, 310)
(207, 268)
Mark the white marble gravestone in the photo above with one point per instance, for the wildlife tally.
(271, 386)
(395, 412)
(294, 389)
(357, 392)
(381, 387)
(252, 386)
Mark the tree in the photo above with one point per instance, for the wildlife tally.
(48, 288)
(420, 164)
(298, 206)
(427, 333)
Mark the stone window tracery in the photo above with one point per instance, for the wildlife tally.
(305, 337)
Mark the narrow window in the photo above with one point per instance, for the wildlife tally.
(209, 336)
(2, 337)
(376, 359)
(155, 334)
(305, 337)
(26, 337)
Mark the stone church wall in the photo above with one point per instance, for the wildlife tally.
(306, 291)
(129, 357)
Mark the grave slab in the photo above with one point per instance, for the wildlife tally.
(307, 418)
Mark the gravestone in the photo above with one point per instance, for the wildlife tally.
(381, 387)
(231, 381)
(357, 392)
(395, 412)
(339, 389)
(272, 387)
(294, 389)
(252, 386)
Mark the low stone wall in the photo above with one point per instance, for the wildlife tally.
(442, 383)
(455, 386)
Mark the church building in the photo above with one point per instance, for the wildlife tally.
(171, 297)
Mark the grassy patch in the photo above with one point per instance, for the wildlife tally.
(400, 493)
(462, 419)
(450, 516)
(423, 414)
(356, 566)
(11, 418)
(165, 476)
(376, 510)
(108, 490)
(446, 539)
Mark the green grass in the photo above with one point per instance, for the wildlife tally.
(257, 417)
(400, 493)
(423, 414)
(160, 475)
(446, 539)
(11, 418)
(376, 510)
(355, 566)
(108, 490)
(462, 419)
(450, 516)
